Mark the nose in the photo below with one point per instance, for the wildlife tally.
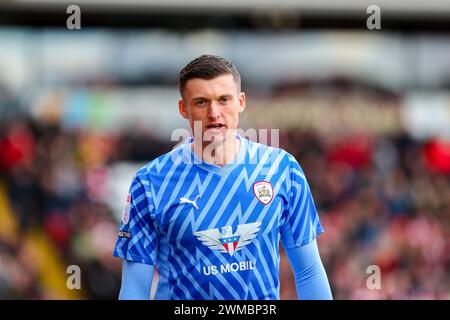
(213, 111)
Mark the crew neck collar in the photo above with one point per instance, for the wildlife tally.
(238, 159)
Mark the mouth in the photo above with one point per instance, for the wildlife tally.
(215, 126)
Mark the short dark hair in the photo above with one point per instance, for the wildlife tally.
(207, 67)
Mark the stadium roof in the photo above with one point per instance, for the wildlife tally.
(391, 7)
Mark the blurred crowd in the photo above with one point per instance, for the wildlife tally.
(385, 206)
(53, 182)
(383, 201)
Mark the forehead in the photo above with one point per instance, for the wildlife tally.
(223, 84)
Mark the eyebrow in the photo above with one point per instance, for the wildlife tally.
(199, 99)
(226, 95)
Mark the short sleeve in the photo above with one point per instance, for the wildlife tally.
(138, 233)
(300, 221)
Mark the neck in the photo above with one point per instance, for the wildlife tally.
(220, 153)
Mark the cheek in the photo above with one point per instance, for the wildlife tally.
(197, 115)
(233, 114)
(231, 120)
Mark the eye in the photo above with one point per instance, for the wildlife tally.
(200, 103)
(224, 100)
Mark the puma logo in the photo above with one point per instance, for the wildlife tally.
(193, 202)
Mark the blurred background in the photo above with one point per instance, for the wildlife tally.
(365, 112)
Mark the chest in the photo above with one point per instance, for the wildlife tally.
(224, 209)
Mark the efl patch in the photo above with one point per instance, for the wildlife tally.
(124, 234)
(263, 191)
(126, 211)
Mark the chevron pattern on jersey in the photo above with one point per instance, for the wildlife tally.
(205, 229)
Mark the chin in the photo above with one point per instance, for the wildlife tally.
(215, 137)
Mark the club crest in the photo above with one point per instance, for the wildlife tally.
(263, 191)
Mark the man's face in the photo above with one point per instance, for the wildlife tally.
(216, 103)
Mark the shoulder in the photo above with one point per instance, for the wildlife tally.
(275, 155)
(159, 166)
(278, 158)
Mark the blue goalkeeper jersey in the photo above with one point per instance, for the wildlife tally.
(214, 232)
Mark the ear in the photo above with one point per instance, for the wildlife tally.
(242, 102)
(182, 109)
